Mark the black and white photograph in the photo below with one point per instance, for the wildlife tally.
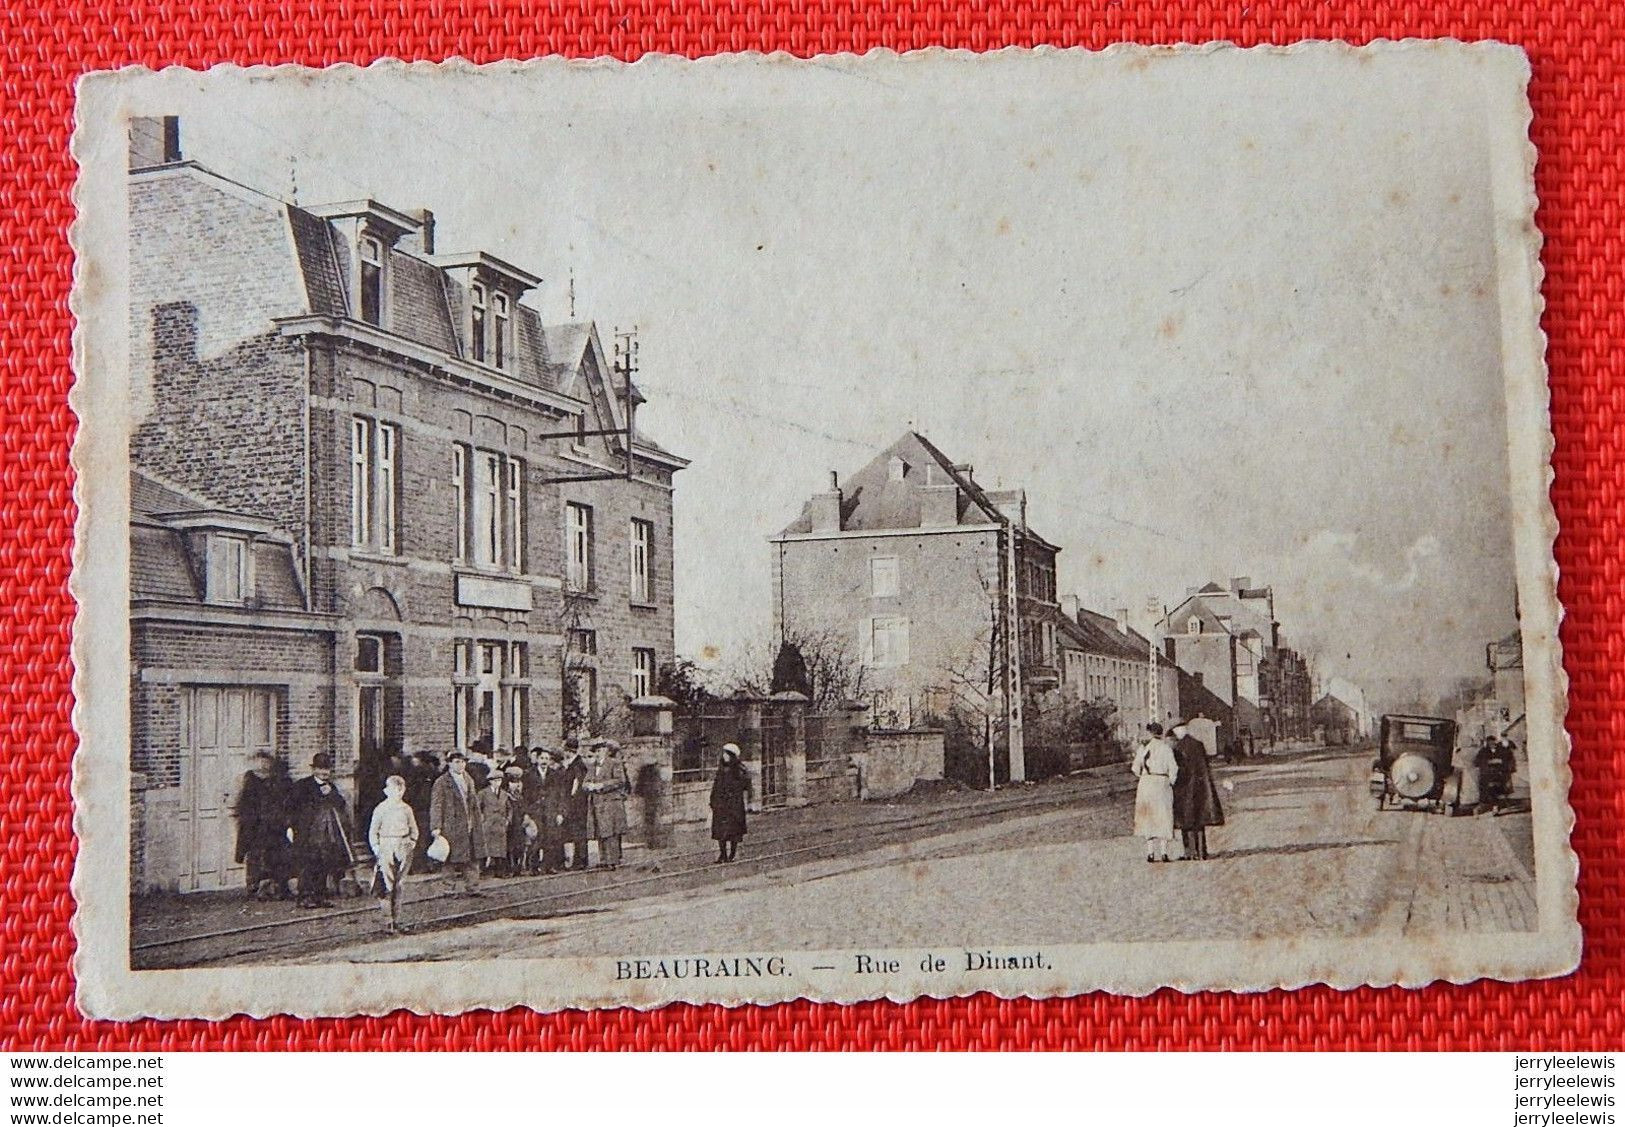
(588, 534)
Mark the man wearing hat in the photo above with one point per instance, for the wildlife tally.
(577, 824)
(454, 815)
(555, 799)
(321, 832)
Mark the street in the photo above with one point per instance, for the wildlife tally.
(1304, 853)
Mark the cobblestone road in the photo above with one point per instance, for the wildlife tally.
(1304, 853)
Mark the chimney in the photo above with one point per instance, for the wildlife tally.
(154, 141)
(939, 505)
(1122, 619)
(1070, 606)
(826, 507)
(174, 335)
(426, 231)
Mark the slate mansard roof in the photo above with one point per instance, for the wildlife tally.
(426, 302)
(166, 563)
(428, 306)
(872, 501)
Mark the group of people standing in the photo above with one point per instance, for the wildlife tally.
(532, 813)
(1175, 791)
(288, 830)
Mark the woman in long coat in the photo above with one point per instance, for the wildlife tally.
(1157, 769)
(728, 792)
(1196, 799)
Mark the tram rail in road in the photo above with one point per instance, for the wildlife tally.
(689, 869)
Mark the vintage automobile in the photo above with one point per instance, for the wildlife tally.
(1414, 769)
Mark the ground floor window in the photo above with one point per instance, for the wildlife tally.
(491, 694)
(643, 672)
(377, 673)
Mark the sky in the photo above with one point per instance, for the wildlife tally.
(1219, 315)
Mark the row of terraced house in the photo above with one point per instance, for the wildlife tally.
(946, 596)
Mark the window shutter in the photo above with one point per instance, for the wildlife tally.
(866, 640)
(900, 641)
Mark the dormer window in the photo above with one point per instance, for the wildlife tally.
(1193, 625)
(372, 280)
(476, 323)
(230, 577)
(499, 330)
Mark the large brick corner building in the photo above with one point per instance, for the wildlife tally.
(376, 503)
(918, 573)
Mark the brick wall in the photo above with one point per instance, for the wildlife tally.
(169, 660)
(892, 762)
(162, 653)
(214, 387)
(421, 579)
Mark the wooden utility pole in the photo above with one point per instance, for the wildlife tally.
(1012, 660)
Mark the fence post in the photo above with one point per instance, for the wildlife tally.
(794, 708)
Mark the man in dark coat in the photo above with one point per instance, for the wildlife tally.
(530, 799)
(577, 824)
(262, 829)
(425, 768)
(321, 832)
(555, 792)
(1196, 799)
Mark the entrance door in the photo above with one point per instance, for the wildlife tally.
(224, 728)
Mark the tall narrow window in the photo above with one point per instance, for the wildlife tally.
(643, 672)
(578, 546)
(459, 492)
(519, 694)
(374, 483)
(515, 470)
(499, 330)
(462, 681)
(476, 323)
(385, 500)
(372, 281)
(487, 508)
(643, 541)
(360, 481)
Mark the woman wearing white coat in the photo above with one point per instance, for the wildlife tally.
(1156, 768)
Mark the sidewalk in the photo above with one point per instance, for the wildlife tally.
(169, 930)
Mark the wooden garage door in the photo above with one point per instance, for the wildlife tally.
(223, 728)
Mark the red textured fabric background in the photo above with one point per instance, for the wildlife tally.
(1578, 53)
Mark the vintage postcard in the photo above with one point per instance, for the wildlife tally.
(577, 534)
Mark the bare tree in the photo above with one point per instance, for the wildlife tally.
(835, 671)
